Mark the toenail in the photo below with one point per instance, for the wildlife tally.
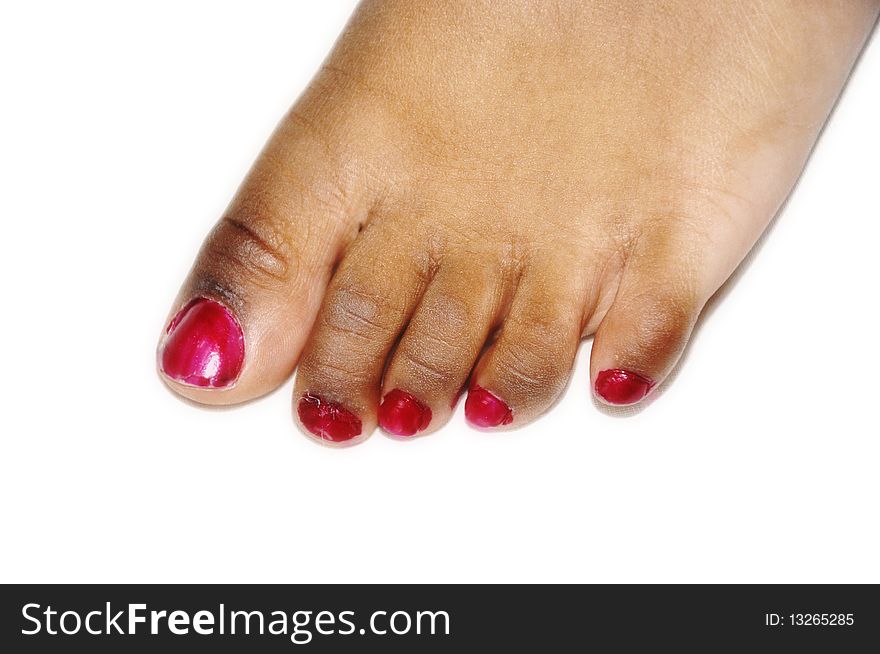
(402, 414)
(483, 409)
(619, 386)
(327, 420)
(203, 346)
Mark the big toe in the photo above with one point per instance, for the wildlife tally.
(243, 314)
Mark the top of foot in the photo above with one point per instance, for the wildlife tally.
(467, 189)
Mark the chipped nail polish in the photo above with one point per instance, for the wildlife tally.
(327, 420)
(483, 409)
(402, 414)
(618, 386)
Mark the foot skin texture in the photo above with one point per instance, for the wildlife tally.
(468, 189)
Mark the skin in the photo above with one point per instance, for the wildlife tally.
(467, 189)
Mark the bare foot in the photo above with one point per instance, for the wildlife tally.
(468, 189)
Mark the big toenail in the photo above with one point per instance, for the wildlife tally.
(327, 420)
(483, 409)
(619, 386)
(402, 414)
(203, 346)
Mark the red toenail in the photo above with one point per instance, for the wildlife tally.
(622, 386)
(203, 346)
(483, 409)
(327, 420)
(402, 414)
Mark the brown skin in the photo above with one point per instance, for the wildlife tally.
(537, 171)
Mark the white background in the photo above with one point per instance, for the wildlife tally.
(124, 130)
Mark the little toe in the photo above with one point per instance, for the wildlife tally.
(646, 328)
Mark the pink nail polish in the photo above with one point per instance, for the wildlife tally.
(483, 409)
(203, 346)
(402, 414)
(619, 386)
(327, 420)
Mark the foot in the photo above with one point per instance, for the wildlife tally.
(467, 190)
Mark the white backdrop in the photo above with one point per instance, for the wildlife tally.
(124, 130)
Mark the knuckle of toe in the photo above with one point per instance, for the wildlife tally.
(536, 354)
(344, 376)
(533, 371)
(551, 327)
(448, 315)
(255, 248)
(361, 313)
(429, 366)
(434, 352)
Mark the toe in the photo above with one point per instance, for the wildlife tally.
(245, 311)
(367, 305)
(437, 352)
(527, 367)
(645, 330)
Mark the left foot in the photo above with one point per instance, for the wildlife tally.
(468, 189)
